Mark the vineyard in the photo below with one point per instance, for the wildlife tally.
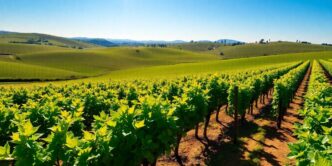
(136, 122)
(315, 141)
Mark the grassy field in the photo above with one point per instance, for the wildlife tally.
(211, 66)
(252, 50)
(42, 61)
(19, 71)
(14, 49)
(100, 61)
(97, 61)
(173, 71)
(45, 40)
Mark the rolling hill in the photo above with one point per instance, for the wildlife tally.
(5, 32)
(100, 61)
(251, 50)
(12, 71)
(179, 70)
(93, 62)
(42, 39)
(64, 60)
(125, 42)
(229, 65)
(228, 41)
(96, 41)
(14, 49)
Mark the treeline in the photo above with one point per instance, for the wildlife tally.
(43, 41)
(156, 45)
(326, 44)
(34, 41)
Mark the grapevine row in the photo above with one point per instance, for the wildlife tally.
(123, 123)
(249, 90)
(315, 133)
(284, 89)
(327, 66)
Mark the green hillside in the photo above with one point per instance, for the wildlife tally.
(173, 71)
(252, 50)
(42, 39)
(43, 61)
(19, 71)
(13, 49)
(100, 61)
(92, 62)
(197, 46)
(211, 66)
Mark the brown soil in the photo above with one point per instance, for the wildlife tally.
(276, 142)
(193, 151)
(271, 150)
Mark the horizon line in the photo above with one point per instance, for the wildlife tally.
(132, 39)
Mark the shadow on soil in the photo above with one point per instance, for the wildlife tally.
(224, 152)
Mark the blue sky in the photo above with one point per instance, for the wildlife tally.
(246, 20)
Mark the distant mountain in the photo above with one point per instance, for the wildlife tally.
(162, 42)
(229, 41)
(143, 42)
(125, 42)
(129, 42)
(221, 41)
(96, 41)
(84, 42)
(109, 42)
(6, 32)
(178, 41)
(204, 41)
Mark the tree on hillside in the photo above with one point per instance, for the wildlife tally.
(326, 44)
(261, 41)
(305, 42)
(30, 41)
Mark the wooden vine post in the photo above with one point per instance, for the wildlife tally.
(280, 114)
(236, 92)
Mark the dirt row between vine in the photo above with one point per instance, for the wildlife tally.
(328, 76)
(260, 143)
(276, 141)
